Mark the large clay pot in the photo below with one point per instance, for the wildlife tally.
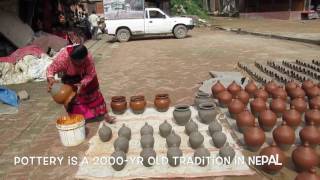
(146, 129)
(314, 103)
(118, 160)
(291, 86)
(219, 139)
(254, 138)
(182, 114)
(162, 102)
(147, 141)
(307, 84)
(313, 115)
(235, 107)
(196, 139)
(165, 129)
(62, 93)
(243, 96)
(292, 117)
(310, 175)
(257, 105)
(173, 140)
(284, 136)
(310, 134)
(272, 151)
(207, 112)
(118, 104)
(137, 104)
(227, 152)
(224, 98)
(122, 144)
(280, 93)
(201, 156)
(213, 127)
(267, 119)
(297, 93)
(261, 93)
(234, 88)
(174, 154)
(300, 104)
(217, 88)
(124, 131)
(244, 120)
(190, 127)
(304, 157)
(251, 88)
(313, 92)
(105, 133)
(148, 157)
(202, 97)
(278, 106)
(271, 86)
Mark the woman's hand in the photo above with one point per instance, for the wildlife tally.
(51, 81)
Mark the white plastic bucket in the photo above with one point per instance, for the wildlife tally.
(73, 134)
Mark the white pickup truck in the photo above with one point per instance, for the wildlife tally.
(154, 21)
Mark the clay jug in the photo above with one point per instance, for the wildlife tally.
(280, 93)
(219, 139)
(118, 160)
(162, 102)
(244, 120)
(291, 86)
(182, 114)
(148, 157)
(165, 129)
(278, 106)
(217, 88)
(213, 127)
(261, 93)
(304, 157)
(310, 134)
(62, 93)
(292, 117)
(234, 88)
(307, 84)
(202, 97)
(251, 88)
(227, 152)
(174, 154)
(122, 144)
(124, 131)
(196, 139)
(190, 127)
(235, 107)
(257, 105)
(300, 104)
(224, 98)
(284, 136)
(271, 86)
(146, 129)
(313, 115)
(243, 96)
(313, 92)
(207, 112)
(137, 104)
(297, 93)
(173, 140)
(314, 103)
(310, 175)
(254, 138)
(147, 141)
(118, 104)
(201, 156)
(105, 133)
(272, 151)
(267, 119)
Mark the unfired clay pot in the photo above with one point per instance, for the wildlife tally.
(119, 158)
(314, 103)
(196, 139)
(313, 115)
(243, 96)
(201, 156)
(105, 133)
(165, 129)
(273, 150)
(219, 139)
(251, 88)
(207, 112)
(304, 157)
(213, 127)
(297, 93)
(271, 86)
(267, 119)
(292, 117)
(182, 114)
(235, 107)
(173, 155)
(202, 97)
(224, 98)
(217, 88)
(122, 144)
(307, 84)
(138, 104)
(162, 102)
(254, 138)
(147, 141)
(284, 136)
(146, 129)
(124, 131)
(190, 127)
(227, 152)
(257, 105)
(300, 104)
(310, 134)
(234, 88)
(62, 93)
(148, 157)
(118, 104)
(261, 93)
(173, 140)
(278, 106)
(291, 86)
(310, 175)
(244, 120)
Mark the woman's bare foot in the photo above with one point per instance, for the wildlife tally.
(109, 119)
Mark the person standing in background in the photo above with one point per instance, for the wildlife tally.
(94, 19)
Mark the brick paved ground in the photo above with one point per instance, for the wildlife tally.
(143, 66)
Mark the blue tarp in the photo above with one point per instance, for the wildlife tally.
(9, 97)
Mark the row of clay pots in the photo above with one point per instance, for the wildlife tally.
(148, 153)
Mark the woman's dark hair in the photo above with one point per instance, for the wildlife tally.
(79, 52)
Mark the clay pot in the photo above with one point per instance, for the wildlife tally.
(147, 141)
(304, 157)
(173, 155)
(202, 97)
(146, 129)
(124, 131)
(284, 136)
(62, 93)
(118, 104)
(299, 104)
(234, 88)
(148, 157)
(310, 134)
(162, 102)
(280, 93)
(201, 156)
(313, 115)
(118, 160)
(182, 114)
(235, 107)
(196, 139)
(219, 139)
(190, 127)
(307, 84)
(227, 152)
(138, 104)
(257, 105)
(254, 138)
(314, 103)
(165, 129)
(267, 119)
(291, 86)
(292, 117)
(173, 140)
(278, 106)
(251, 88)
(272, 151)
(297, 93)
(224, 98)
(261, 93)
(213, 127)
(310, 175)
(105, 133)
(243, 96)
(217, 88)
(122, 144)
(244, 120)
(207, 112)
(271, 86)
(313, 92)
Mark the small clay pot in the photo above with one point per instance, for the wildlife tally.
(244, 120)
(201, 156)
(234, 88)
(202, 97)
(310, 134)
(196, 139)
(292, 117)
(62, 93)
(119, 160)
(138, 104)
(273, 150)
(224, 98)
(278, 106)
(284, 136)
(251, 88)
(190, 127)
(165, 129)
(258, 105)
(227, 152)
(299, 104)
(162, 102)
(313, 92)
(310, 175)
(307, 84)
(182, 114)
(304, 157)
(174, 154)
(280, 93)
(207, 112)
(314, 103)
(118, 104)
(124, 131)
(297, 93)
(243, 96)
(261, 93)
(105, 133)
(122, 144)
(254, 138)
(219, 139)
(146, 129)
(267, 119)
(313, 115)
(235, 107)
(173, 140)
(291, 86)
(148, 157)
(217, 88)
(213, 127)
(147, 141)
(271, 86)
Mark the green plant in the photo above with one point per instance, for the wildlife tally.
(188, 7)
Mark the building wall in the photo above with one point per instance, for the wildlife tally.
(9, 6)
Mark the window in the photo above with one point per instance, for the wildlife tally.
(156, 14)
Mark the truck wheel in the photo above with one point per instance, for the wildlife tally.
(123, 35)
(180, 31)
